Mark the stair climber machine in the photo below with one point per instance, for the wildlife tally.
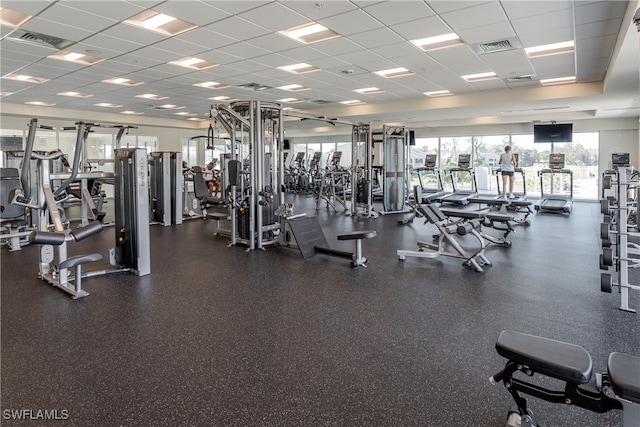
(559, 197)
(132, 250)
(461, 196)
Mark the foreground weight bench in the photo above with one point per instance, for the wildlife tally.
(618, 388)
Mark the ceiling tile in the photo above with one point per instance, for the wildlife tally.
(207, 38)
(106, 8)
(274, 16)
(102, 41)
(194, 12)
(9, 45)
(147, 57)
(243, 50)
(360, 57)
(234, 7)
(444, 6)
(31, 7)
(248, 66)
(600, 11)
(339, 46)
(475, 16)
(605, 43)
(489, 85)
(329, 62)
(349, 23)
(397, 50)
(129, 32)
(488, 33)
(396, 12)
(600, 28)
(76, 18)
(274, 43)
(179, 48)
(546, 37)
(461, 60)
(302, 54)
(422, 28)
(376, 38)
(521, 9)
(219, 57)
(238, 28)
(98, 52)
(543, 22)
(317, 10)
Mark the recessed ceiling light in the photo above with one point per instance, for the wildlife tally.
(310, 33)
(12, 18)
(185, 113)
(194, 63)
(170, 107)
(122, 81)
(40, 103)
(107, 105)
(195, 119)
(151, 96)
(294, 88)
(211, 85)
(3, 93)
(368, 90)
(394, 72)
(558, 81)
(160, 23)
(78, 58)
(480, 77)
(550, 49)
(133, 113)
(289, 100)
(352, 102)
(438, 42)
(25, 78)
(223, 98)
(75, 94)
(436, 93)
(300, 68)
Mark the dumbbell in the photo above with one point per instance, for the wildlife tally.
(607, 182)
(607, 259)
(606, 232)
(606, 282)
(605, 207)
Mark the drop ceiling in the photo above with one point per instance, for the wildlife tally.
(243, 38)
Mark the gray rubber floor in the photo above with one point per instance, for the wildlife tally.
(218, 336)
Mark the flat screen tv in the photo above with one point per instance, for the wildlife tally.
(553, 133)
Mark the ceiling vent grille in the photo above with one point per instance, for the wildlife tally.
(521, 79)
(321, 101)
(254, 86)
(496, 46)
(39, 39)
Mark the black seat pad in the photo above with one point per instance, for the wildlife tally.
(354, 235)
(499, 217)
(566, 362)
(80, 259)
(624, 373)
(459, 213)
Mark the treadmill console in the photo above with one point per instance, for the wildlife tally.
(430, 161)
(464, 161)
(620, 160)
(556, 161)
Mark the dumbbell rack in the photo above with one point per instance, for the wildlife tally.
(619, 252)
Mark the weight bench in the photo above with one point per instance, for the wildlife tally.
(358, 236)
(488, 219)
(618, 388)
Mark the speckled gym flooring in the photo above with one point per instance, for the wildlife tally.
(217, 336)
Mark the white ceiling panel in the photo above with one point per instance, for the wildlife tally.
(396, 12)
(148, 56)
(397, 50)
(235, 7)
(315, 10)
(546, 37)
(102, 41)
(422, 28)
(243, 50)
(179, 48)
(521, 9)
(488, 33)
(274, 16)
(360, 57)
(31, 7)
(248, 66)
(238, 28)
(52, 28)
(207, 38)
(76, 18)
(219, 57)
(600, 11)
(303, 54)
(98, 52)
(331, 62)
(129, 32)
(339, 46)
(37, 51)
(416, 61)
(459, 59)
(608, 27)
(444, 6)
(475, 16)
(489, 85)
(604, 43)
(543, 22)
(349, 23)
(274, 43)
(273, 60)
(194, 12)
(115, 10)
(146, 3)
(377, 38)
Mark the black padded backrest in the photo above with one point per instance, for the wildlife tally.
(9, 180)
(431, 213)
(200, 188)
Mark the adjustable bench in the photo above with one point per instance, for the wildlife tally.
(618, 388)
(489, 219)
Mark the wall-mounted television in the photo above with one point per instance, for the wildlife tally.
(553, 133)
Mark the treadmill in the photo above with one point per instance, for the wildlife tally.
(461, 196)
(556, 200)
(431, 187)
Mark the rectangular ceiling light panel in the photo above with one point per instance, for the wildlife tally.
(25, 78)
(394, 72)
(122, 81)
(438, 42)
(310, 33)
(160, 23)
(437, 93)
(300, 68)
(369, 90)
(78, 58)
(550, 49)
(480, 77)
(12, 18)
(558, 81)
(194, 63)
(211, 85)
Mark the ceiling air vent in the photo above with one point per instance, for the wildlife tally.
(496, 46)
(520, 79)
(321, 101)
(39, 39)
(254, 86)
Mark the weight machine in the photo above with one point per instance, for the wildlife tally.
(361, 171)
(165, 187)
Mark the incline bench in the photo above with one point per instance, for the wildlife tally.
(618, 388)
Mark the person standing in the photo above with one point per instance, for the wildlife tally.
(507, 168)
